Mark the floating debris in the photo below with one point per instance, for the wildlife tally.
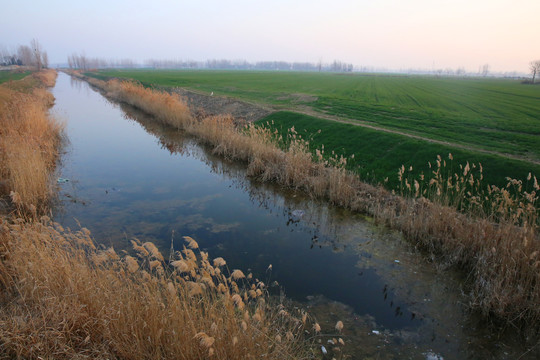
(376, 332)
(323, 349)
(297, 215)
(62, 181)
(433, 356)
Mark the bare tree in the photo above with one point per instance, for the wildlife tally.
(534, 66)
(36, 51)
(24, 53)
(5, 56)
(45, 59)
(485, 70)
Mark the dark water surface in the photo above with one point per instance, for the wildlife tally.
(132, 178)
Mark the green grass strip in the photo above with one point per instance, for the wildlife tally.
(378, 155)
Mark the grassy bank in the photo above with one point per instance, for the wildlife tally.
(29, 139)
(499, 249)
(492, 114)
(377, 156)
(11, 75)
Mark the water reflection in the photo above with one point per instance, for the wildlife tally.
(131, 177)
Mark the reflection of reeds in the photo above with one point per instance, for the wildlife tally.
(29, 141)
(501, 254)
(63, 298)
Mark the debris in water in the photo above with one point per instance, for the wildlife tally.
(396, 261)
(433, 356)
(376, 332)
(62, 181)
(323, 349)
(297, 215)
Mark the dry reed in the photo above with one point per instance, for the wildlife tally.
(29, 141)
(500, 254)
(64, 298)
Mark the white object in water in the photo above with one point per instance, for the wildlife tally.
(433, 356)
(297, 215)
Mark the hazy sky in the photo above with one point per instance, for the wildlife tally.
(395, 34)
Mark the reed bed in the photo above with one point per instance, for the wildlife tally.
(61, 297)
(64, 298)
(499, 249)
(29, 140)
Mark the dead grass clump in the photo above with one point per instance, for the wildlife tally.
(64, 298)
(46, 77)
(29, 143)
(168, 108)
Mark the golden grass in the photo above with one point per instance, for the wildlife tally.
(61, 297)
(167, 107)
(499, 249)
(64, 298)
(29, 140)
(46, 77)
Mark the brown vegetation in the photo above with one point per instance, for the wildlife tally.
(29, 139)
(500, 249)
(63, 298)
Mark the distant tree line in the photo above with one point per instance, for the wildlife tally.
(81, 61)
(26, 55)
(223, 64)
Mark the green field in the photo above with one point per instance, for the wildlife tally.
(496, 115)
(378, 156)
(10, 75)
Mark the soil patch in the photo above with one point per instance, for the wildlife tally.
(203, 105)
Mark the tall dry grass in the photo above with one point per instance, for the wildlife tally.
(29, 141)
(63, 298)
(501, 256)
(169, 108)
(46, 78)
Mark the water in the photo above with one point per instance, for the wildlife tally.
(132, 178)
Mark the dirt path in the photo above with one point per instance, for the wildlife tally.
(202, 105)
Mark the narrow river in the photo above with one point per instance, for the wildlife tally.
(123, 176)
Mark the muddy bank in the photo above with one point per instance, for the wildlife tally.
(202, 105)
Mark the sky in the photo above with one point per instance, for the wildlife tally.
(389, 34)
